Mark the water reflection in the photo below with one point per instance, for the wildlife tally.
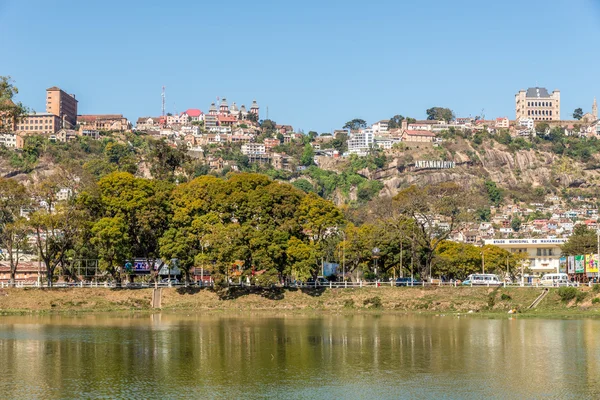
(361, 356)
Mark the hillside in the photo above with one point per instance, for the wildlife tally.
(519, 171)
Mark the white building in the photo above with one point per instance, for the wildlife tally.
(526, 123)
(8, 140)
(361, 142)
(380, 126)
(542, 254)
(384, 143)
(253, 148)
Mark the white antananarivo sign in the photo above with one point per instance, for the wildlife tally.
(435, 164)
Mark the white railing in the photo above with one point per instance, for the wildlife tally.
(315, 285)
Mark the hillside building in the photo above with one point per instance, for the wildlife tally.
(537, 104)
(63, 105)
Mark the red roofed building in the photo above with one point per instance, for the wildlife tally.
(194, 114)
(270, 143)
(226, 120)
(417, 136)
(503, 123)
(26, 272)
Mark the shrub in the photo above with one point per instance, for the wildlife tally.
(348, 303)
(373, 302)
(567, 293)
(491, 300)
(505, 297)
(596, 288)
(595, 300)
(580, 296)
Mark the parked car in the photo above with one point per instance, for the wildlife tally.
(167, 281)
(408, 282)
(320, 281)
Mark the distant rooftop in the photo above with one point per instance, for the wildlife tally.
(537, 92)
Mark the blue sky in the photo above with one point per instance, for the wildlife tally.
(314, 64)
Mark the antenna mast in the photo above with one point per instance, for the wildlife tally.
(163, 101)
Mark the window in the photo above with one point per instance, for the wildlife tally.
(539, 252)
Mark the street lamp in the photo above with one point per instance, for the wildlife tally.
(375, 257)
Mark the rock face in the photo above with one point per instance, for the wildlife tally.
(525, 168)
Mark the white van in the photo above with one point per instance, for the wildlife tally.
(555, 280)
(484, 279)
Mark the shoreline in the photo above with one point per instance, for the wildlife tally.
(428, 300)
(471, 301)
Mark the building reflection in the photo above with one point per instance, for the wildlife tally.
(50, 356)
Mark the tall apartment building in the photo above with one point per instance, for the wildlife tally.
(63, 105)
(537, 104)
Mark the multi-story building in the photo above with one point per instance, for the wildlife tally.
(8, 140)
(537, 104)
(149, 123)
(417, 136)
(106, 122)
(380, 126)
(253, 148)
(360, 142)
(270, 143)
(526, 123)
(502, 123)
(46, 124)
(63, 105)
(542, 255)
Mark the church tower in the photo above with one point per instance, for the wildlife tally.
(595, 109)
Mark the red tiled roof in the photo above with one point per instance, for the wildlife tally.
(227, 118)
(194, 112)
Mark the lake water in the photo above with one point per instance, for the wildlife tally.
(297, 357)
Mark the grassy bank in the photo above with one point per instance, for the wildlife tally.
(434, 299)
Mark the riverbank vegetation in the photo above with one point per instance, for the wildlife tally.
(471, 300)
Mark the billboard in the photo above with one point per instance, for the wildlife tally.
(591, 263)
(571, 265)
(579, 264)
(140, 266)
(562, 265)
(330, 269)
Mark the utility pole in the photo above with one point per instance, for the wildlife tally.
(163, 101)
(482, 262)
(598, 255)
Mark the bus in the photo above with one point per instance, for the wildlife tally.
(482, 279)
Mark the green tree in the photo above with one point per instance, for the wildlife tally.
(144, 206)
(494, 193)
(440, 114)
(541, 128)
(308, 155)
(395, 122)
(166, 160)
(318, 217)
(578, 113)
(582, 241)
(302, 259)
(515, 224)
(10, 112)
(112, 242)
(355, 124)
(304, 185)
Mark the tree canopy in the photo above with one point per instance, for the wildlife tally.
(440, 114)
